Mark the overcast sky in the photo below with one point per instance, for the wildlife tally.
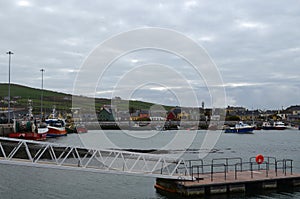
(255, 45)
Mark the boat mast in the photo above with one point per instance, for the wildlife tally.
(30, 115)
(252, 117)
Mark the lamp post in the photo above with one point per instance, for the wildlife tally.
(9, 60)
(42, 70)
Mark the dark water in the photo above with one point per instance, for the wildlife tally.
(35, 183)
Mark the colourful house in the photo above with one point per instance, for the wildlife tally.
(140, 115)
(106, 114)
(173, 114)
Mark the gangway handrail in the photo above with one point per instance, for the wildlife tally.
(54, 155)
(73, 146)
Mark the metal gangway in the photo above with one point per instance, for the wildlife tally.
(53, 155)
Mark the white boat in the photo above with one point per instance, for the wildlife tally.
(278, 125)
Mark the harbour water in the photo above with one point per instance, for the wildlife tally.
(30, 182)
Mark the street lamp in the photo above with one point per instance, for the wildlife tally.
(9, 60)
(42, 70)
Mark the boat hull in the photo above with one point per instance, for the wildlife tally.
(81, 129)
(56, 132)
(28, 135)
(274, 128)
(78, 129)
(240, 130)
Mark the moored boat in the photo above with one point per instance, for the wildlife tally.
(29, 128)
(267, 126)
(56, 128)
(76, 128)
(56, 125)
(240, 128)
(278, 125)
(74, 122)
(26, 129)
(80, 128)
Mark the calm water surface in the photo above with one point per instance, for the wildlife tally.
(29, 182)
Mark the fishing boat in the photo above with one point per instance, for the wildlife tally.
(56, 125)
(76, 128)
(74, 122)
(29, 128)
(81, 128)
(278, 125)
(240, 128)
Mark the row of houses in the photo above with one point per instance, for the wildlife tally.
(289, 114)
(111, 113)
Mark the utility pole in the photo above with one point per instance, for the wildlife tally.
(9, 60)
(42, 70)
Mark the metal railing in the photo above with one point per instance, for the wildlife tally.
(52, 155)
(236, 164)
(251, 168)
(284, 166)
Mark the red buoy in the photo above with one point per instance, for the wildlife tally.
(259, 159)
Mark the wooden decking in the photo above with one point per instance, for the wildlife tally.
(244, 176)
(230, 182)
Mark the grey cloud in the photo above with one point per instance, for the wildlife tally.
(253, 42)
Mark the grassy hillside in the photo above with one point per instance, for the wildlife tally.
(62, 101)
(21, 94)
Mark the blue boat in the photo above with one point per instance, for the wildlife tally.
(240, 128)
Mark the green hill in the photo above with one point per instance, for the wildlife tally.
(63, 102)
(20, 95)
